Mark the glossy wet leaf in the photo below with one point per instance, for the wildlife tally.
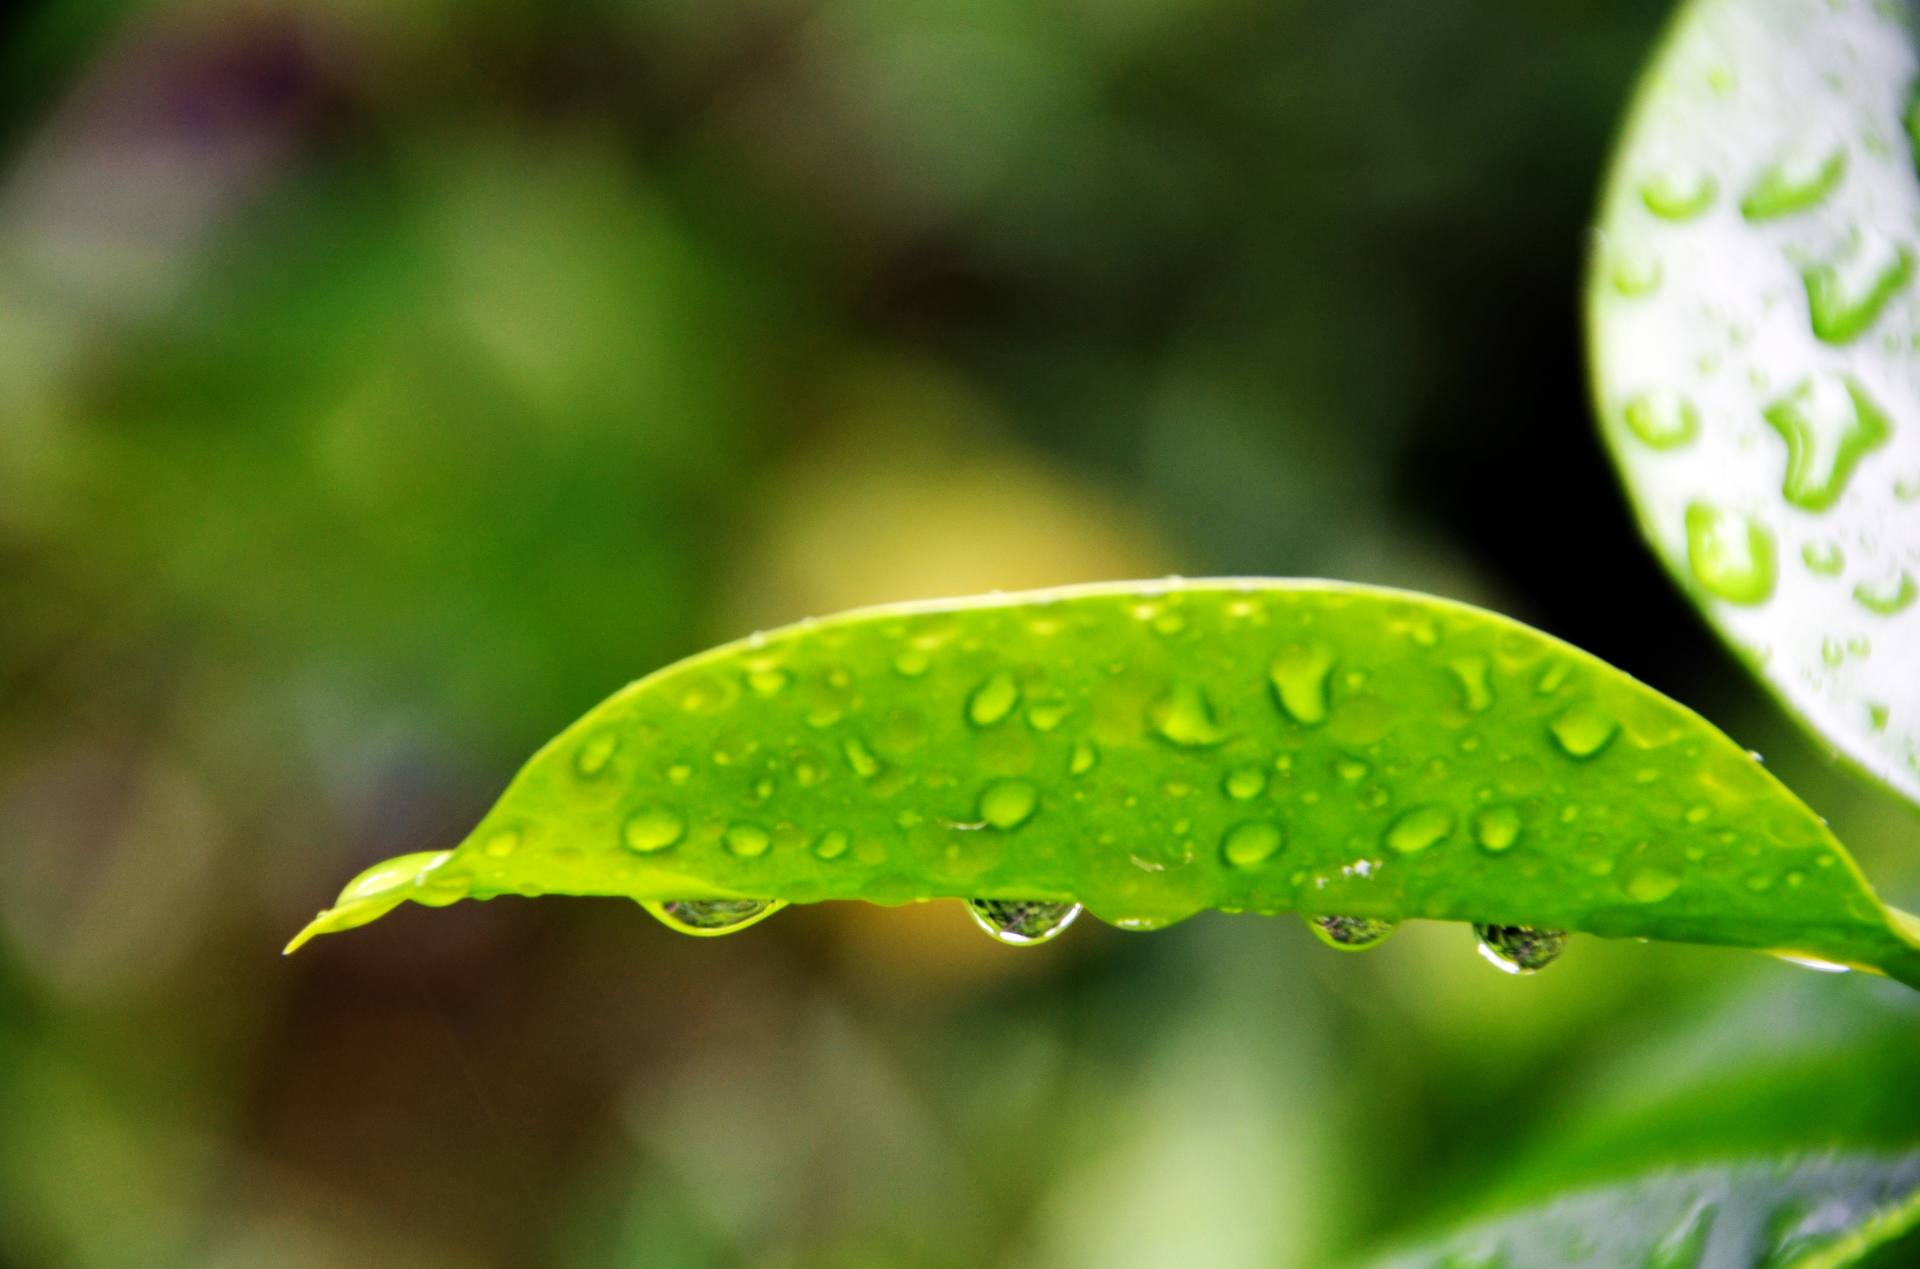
(1154, 750)
(1755, 329)
(1806, 1212)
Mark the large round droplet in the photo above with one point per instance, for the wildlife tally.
(1519, 949)
(1023, 922)
(1008, 803)
(712, 916)
(1251, 844)
(1420, 828)
(652, 828)
(1350, 933)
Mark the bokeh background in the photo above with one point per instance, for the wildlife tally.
(382, 384)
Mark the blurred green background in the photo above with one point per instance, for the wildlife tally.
(382, 384)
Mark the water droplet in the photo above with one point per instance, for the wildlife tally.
(1794, 183)
(1251, 844)
(1299, 677)
(712, 916)
(1553, 677)
(1829, 423)
(1823, 558)
(993, 700)
(1877, 715)
(1475, 692)
(1496, 827)
(1662, 419)
(1635, 271)
(1083, 758)
(769, 681)
(1678, 196)
(1888, 595)
(502, 844)
(1350, 933)
(593, 756)
(1350, 769)
(1243, 783)
(1648, 884)
(652, 828)
(1583, 730)
(1044, 716)
(1184, 716)
(1847, 293)
(831, 844)
(1731, 554)
(911, 663)
(1519, 949)
(1420, 828)
(1007, 804)
(861, 758)
(1023, 922)
(747, 841)
(1682, 1246)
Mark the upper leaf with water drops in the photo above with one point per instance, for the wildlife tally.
(1755, 328)
(1149, 751)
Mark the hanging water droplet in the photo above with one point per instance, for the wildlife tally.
(1023, 922)
(1828, 423)
(1420, 828)
(1496, 828)
(1794, 183)
(993, 700)
(593, 756)
(1299, 677)
(1184, 716)
(652, 828)
(1251, 844)
(1007, 804)
(1519, 949)
(747, 841)
(712, 916)
(1887, 596)
(1731, 554)
(1662, 418)
(1350, 933)
(1583, 730)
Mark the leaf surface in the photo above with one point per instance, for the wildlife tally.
(1153, 750)
(1755, 333)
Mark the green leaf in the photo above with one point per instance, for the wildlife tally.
(1827, 1210)
(1152, 750)
(1753, 320)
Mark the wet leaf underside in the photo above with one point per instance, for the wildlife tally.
(1154, 750)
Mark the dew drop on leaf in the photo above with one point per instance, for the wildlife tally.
(1251, 844)
(1661, 418)
(1496, 827)
(1794, 183)
(593, 756)
(1350, 933)
(1888, 595)
(1648, 884)
(1829, 424)
(1007, 804)
(1583, 730)
(1299, 677)
(1184, 716)
(830, 845)
(747, 841)
(993, 700)
(1420, 828)
(1846, 294)
(1244, 783)
(1678, 196)
(652, 828)
(1731, 554)
(1023, 922)
(1825, 559)
(1519, 949)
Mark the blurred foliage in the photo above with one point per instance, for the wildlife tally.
(383, 384)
